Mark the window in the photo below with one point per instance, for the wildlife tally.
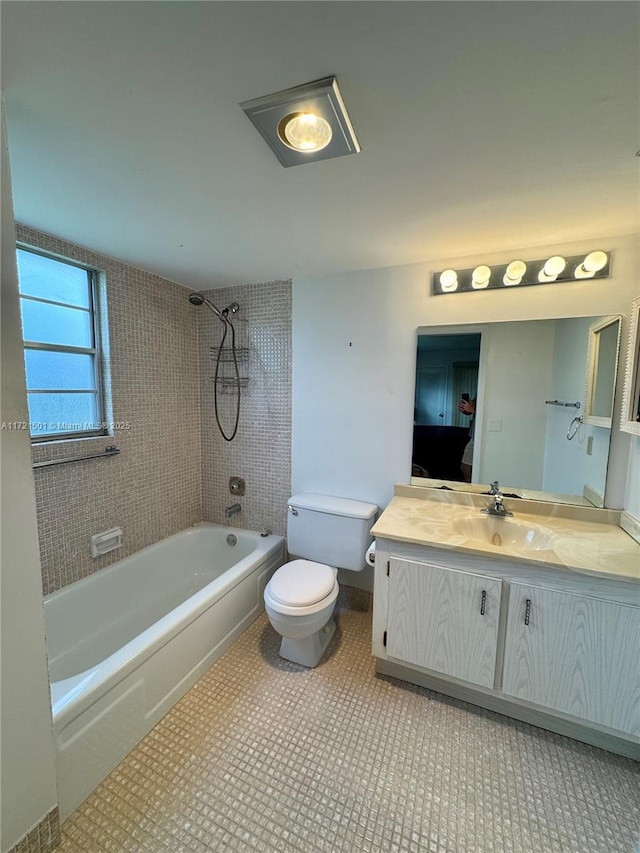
(61, 347)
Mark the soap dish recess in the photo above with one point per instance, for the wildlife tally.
(102, 543)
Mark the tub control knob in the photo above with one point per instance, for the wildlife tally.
(236, 485)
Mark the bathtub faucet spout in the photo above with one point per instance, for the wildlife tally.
(231, 511)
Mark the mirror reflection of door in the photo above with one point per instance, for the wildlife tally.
(431, 395)
(602, 365)
(447, 368)
(605, 373)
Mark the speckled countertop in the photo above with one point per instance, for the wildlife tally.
(582, 539)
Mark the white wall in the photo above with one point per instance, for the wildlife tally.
(632, 496)
(565, 461)
(595, 469)
(354, 358)
(354, 353)
(28, 776)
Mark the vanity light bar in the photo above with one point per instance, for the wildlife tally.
(517, 273)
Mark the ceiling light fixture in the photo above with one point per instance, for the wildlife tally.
(305, 132)
(305, 123)
(556, 268)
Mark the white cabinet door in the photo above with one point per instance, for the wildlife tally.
(444, 620)
(575, 654)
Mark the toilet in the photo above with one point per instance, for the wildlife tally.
(324, 534)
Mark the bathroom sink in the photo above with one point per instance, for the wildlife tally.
(505, 532)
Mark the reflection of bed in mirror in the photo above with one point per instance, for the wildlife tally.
(521, 367)
(437, 451)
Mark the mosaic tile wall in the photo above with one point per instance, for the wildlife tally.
(43, 838)
(153, 488)
(261, 451)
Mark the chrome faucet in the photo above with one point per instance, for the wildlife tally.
(497, 507)
(230, 511)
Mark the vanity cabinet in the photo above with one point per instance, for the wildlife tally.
(555, 648)
(444, 620)
(574, 654)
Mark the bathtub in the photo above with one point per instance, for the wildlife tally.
(127, 642)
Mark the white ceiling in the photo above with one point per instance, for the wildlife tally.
(483, 125)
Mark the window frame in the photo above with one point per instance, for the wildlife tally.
(97, 350)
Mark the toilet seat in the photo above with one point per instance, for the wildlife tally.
(301, 583)
(301, 588)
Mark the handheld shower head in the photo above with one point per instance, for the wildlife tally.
(196, 298)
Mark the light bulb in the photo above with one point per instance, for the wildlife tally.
(593, 263)
(514, 272)
(305, 132)
(552, 268)
(480, 277)
(448, 281)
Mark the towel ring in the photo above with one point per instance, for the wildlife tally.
(574, 426)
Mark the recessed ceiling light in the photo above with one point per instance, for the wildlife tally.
(305, 132)
(304, 124)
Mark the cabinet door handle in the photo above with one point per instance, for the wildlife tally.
(483, 602)
(527, 611)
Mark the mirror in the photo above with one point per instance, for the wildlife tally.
(602, 368)
(525, 383)
(631, 392)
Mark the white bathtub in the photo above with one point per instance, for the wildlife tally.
(127, 642)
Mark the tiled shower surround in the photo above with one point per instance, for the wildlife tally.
(154, 487)
(261, 451)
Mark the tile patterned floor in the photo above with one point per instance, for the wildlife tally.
(264, 755)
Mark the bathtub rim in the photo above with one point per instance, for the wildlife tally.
(82, 690)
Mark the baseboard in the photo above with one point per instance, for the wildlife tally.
(594, 497)
(631, 525)
(604, 739)
(43, 838)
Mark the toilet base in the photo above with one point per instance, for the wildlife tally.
(307, 651)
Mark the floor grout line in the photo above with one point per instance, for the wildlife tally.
(265, 755)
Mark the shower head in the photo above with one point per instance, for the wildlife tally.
(196, 298)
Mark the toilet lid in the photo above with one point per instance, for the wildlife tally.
(302, 582)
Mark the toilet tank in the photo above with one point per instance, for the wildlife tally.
(330, 530)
